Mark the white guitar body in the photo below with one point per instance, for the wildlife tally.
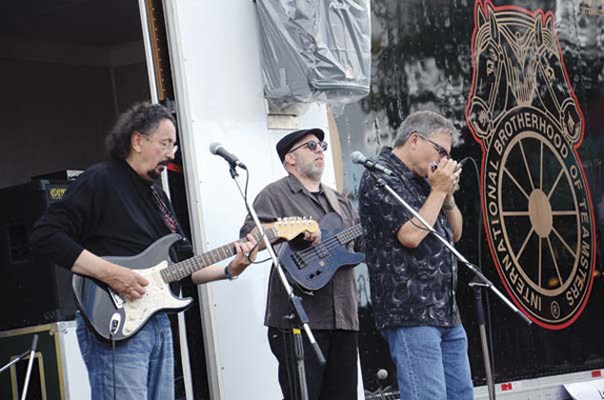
(114, 318)
(157, 297)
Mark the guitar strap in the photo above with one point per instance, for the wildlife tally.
(330, 194)
(166, 215)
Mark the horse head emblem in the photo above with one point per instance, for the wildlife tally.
(489, 94)
(555, 95)
(518, 64)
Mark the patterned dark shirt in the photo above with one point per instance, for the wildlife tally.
(409, 287)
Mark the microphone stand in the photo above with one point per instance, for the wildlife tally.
(477, 289)
(296, 301)
(31, 353)
(479, 282)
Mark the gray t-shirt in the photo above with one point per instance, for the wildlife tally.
(335, 305)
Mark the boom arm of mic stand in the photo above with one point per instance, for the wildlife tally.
(295, 300)
(477, 273)
(20, 357)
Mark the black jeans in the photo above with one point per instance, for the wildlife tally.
(337, 380)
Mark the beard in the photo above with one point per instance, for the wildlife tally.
(311, 171)
(154, 174)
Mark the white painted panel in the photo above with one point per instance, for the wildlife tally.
(75, 376)
(221, 98)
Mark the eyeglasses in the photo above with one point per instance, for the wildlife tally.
(441, 150)
(166, 144)
(312, 146)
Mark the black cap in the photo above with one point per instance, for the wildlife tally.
(288, 141)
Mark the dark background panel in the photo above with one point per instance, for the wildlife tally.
(422, 61)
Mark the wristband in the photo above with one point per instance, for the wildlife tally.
(228, 275)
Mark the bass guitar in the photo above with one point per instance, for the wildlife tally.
(115, 318)
(312, 267)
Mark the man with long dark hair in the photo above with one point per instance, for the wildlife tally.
(115, 209)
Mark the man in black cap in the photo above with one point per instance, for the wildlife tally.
(332, 310)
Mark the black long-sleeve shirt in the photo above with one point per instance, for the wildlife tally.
(108, 210)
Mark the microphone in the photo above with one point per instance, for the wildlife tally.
(218, 150)
(382, 374)
(358, 158)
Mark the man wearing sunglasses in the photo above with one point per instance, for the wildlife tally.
(413, 276)
(332, 310)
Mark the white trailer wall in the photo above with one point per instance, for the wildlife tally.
(219, 90)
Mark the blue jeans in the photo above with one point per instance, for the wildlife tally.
(144, 363)
(431, 362)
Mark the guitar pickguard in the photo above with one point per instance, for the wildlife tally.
(157, 297)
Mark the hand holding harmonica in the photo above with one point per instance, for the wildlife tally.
(445, 175)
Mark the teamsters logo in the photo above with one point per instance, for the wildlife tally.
(538, 211)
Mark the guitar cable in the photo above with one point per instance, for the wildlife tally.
(113, 364)
(247, 181)
(113, 327)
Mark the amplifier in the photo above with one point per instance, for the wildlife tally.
(33, 291)
(63, 175)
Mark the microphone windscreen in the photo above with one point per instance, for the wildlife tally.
(382, 374)
(357, 157)
(214, 147)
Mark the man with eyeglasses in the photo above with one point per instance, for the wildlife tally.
(115, 209)
(332, 310)
(413, 276)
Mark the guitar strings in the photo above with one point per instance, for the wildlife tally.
(327, 244)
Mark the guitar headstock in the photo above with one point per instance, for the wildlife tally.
(289, 228)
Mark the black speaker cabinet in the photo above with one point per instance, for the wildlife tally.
(33, 291)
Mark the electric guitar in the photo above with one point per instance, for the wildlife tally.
(115, 318)
(312, 267)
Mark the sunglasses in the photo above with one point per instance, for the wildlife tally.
(312, 146)
(442, 152)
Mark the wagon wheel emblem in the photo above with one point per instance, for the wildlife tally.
(530, 199)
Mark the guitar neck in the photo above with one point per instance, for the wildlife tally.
(181, 270)
(347, 235)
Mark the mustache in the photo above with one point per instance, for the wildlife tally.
(164, 163)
